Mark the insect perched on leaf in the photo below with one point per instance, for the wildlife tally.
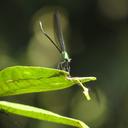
(17, 80)
(65, 63)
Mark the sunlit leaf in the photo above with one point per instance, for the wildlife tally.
(40, 114)
(27, 79)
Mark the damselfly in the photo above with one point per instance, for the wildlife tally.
(60, 45)
(65, 63)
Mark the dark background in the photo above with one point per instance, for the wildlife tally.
(96, 35)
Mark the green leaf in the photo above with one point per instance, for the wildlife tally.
(27, 79)
(40, 114)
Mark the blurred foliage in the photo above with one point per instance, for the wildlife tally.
(96, 37)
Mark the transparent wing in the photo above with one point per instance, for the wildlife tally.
(58, 30)
(48, 37)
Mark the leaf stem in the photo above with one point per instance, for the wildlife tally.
(85, 92)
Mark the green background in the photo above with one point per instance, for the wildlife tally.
(96, 35)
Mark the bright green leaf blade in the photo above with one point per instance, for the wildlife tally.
(41, 114)
(27, 79)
